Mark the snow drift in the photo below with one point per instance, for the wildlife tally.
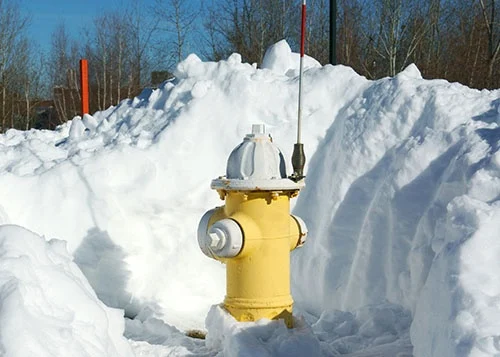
(402, 201)
(47, 307)
(127, 187)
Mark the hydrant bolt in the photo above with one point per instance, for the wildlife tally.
(217, 239)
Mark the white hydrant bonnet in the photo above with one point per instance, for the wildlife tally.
(256, 164)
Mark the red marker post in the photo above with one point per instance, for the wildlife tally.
(84, 83)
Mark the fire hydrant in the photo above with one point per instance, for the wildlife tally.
(254, 232)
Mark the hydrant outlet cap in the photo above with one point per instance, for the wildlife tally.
(203, 238)
(226, 238)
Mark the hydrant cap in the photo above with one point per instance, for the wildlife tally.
(256, 164)
(224, 239)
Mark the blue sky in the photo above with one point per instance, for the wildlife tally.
(47, 14)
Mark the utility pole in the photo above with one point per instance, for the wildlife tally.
(333, 32)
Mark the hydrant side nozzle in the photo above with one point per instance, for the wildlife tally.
(225, 238)
(302, 231)
(221, 239)
(202, 232)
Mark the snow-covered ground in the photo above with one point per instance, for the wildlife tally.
(402, 201)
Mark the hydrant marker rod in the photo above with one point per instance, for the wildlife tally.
(301, 69)
(298, 156)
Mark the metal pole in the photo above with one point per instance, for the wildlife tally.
(84, 83)
(298, 156)
(333, 32)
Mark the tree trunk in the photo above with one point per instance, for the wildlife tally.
(98, 83)
(120, 60)
(28, 107)
(111, 89)
(104, 84)
(12, 111)
(4, 94)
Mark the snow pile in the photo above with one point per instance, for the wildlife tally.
(402, 203)
(462, 291)
(127, 187)
(47, 307)
(151, 337)
(401, 200)
(280, 59)
(263, 338)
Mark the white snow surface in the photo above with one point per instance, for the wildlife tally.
(402, 202)
(47, 307)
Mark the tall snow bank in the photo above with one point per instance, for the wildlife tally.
(402, 204)
(126, 187)
(47, 307)
(462, 290)
(402, 188)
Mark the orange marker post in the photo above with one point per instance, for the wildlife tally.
(84, 82)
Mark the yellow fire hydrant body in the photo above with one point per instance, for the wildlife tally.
(253, 233)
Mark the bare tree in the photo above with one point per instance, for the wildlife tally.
(102, 58)
(432, 47)
(318, 27)
(176, 19)
(120, 51)
(462, 43)
(249, 26)
(394, 31)
(107, 48)
(352, 46)
(12, 27)
(141, 30)
(63, 69)
(31, 66)
(489, 12)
